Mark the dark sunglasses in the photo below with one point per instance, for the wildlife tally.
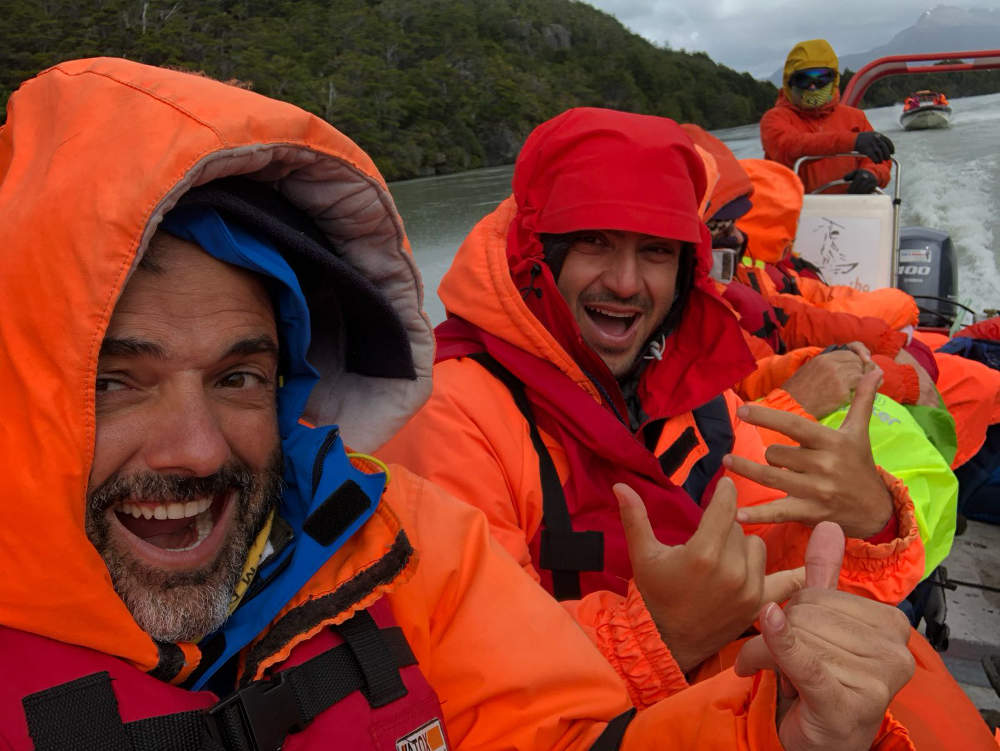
(818, 77)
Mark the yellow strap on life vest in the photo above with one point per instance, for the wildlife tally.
(364, 463)
(252, 562)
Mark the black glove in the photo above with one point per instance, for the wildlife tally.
(874, 145)
(861, 181)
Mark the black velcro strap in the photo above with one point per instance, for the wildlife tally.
(383, 683)
(82, 714)
(716, 428)
(341, 509)
(677, 452)
(260, 715)
(183, 731)
(572, 551)
(611, 738)
(556, 521)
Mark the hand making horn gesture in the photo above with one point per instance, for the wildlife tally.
(708, 591)
(840, 658)
(829, 476)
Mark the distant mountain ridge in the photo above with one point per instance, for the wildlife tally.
(946, 28)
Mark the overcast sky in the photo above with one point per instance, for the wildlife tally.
(756, 35)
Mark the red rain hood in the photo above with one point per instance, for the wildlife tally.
(599, 169)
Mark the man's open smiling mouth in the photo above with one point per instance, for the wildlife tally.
(178, 534)
(613, 325)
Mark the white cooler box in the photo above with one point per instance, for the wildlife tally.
(849, 237)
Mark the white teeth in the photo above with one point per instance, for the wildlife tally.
(131, 509)
(613, 315)
(203, 526)
(174, 510)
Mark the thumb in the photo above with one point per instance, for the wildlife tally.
(824, 556)
(781, 585)
(639, 537)
(860, 412)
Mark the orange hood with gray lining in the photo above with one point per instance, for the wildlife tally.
(93, 154)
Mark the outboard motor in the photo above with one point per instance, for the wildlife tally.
(928, 270)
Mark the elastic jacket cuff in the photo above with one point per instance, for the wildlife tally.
(630, 641)
(890, 342)
(887, 570)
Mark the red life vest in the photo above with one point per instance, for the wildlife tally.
(757, 315)
(61, 696)
(580, 546)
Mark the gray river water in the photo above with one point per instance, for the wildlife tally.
(950, 181)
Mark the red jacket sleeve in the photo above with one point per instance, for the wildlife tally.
(894, 306)
(899, 382)
(784, 140)
(807, 325)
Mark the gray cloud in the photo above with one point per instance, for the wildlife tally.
(756, 36)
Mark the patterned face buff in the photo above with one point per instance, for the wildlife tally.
(813, 98)
(812, 87)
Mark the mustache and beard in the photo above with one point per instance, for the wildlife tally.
(176, 606)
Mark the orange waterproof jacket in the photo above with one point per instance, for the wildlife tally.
(472, 414)
(788, 132)
(82, 188)
(732, 182)
(770, 228)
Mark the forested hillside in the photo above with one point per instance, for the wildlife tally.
(425, 86)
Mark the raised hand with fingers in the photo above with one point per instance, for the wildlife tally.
(829, 476)
(841, 658)
(707, 592)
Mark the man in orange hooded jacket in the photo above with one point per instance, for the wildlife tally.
(184, 521)
(572, 361)
(809, 120)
